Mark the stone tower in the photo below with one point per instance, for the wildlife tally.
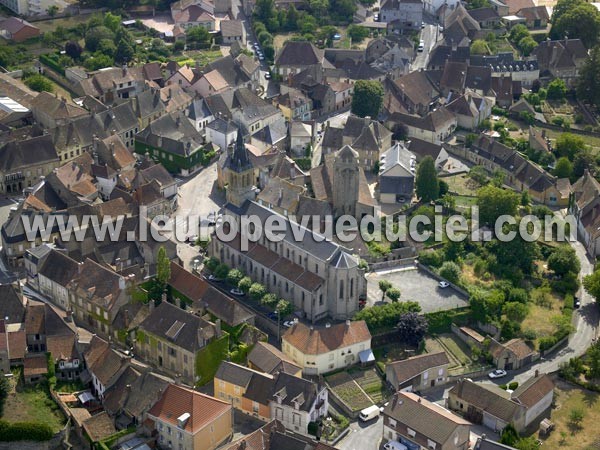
(239, 173)
(345, 182)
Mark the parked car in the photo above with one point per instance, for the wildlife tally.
(237, 292)
(272, 315)
(422, 25)
(214, 279)
(267, 76)
(443, 284)
(421, 47)
(376, 17)
(395, 445)
(288, 323)
(498, 373)
(337, 37)
(576, 302)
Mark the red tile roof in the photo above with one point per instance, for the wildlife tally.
(316, 341)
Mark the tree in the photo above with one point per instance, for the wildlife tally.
(284, 308)
(557, 90)
(412, 328)
(486, 306)
(52, 10)
(393, 294)
(576, 416)
(73, 49)
(198, 34)
(264, 10)
(269, 300)
(245, 284)
(593, 358)
(384, 285)
(527, 45)
(357, 33)
(124, 52)
(588, 84)
(450, 271)
(563, 168)
(257, 291)
(517, 33)
(568, 144)
(163, 267)
(39, 83)
(591, 283)
(479, 175)
(112, 21)
(234, 276)
(94, 36)
(221, 271)
(564, 260)
(479, 47)
(319, 7)
(509, 435)
(427, 182)
(291, 22)
(367, 98)
(386, 315)
(4, 391)
(494, 202)
(98, 61)
(578, 20)
(584, 160)
(515, 311)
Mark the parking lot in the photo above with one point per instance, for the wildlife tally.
(415, 285)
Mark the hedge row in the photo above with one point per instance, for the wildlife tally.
(24, 431)
(50, 62)
(441, 321)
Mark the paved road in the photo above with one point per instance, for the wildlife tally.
(428, 36)
(363, 436)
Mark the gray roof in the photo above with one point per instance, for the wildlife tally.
(272, 133)
(299, 53)
(23, 153)
(426, 418)
(488, 398)
(12, 309)
(59, 268)
(409, 368)
(222, 126)
(175, 325)
(398, 154)
(270, 359)
(198, 109)
(234, 374)
(231, 28)
(172, 133)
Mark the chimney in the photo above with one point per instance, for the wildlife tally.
(121, 283)
(95, 157)
(218, 327)
(127, 321)
(163, 297)
(537, 373)
(95, 141)
(419, 400)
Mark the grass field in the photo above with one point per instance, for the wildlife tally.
(65, 22)
(462, 185)
(344, 386)
(565, 434)
(33, 404)
(457, 351)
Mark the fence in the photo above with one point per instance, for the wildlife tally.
(475, 374)
(560, 343)
(393, 264)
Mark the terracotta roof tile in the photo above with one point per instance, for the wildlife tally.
(323, 340)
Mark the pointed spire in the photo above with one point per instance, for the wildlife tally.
(239, 159)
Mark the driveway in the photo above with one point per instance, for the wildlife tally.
(363, 436)
(417, 286)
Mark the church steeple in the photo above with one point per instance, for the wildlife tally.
(239, 158)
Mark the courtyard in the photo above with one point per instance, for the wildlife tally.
(415, 285)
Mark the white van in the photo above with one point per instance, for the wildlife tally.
(421, 46)
(395, 445)
(369, 413)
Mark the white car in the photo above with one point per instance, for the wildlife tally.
(498, 373)
(288, 323)
(214, 279)
(443, 284)
(267, 76)
(237, 292)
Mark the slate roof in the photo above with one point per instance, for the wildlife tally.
(172, 133)
(105, 363)
(281, 193)
(179, 327)
(236, 374)
(487, 397)
(299, 53)
(561, 54)
(433, 121)
(177, 400)
(99, 427)
(270, 359)
(428, 419)
(231, 28)
(59, 268)
(407, 369)
(24, 153)
(55, 107)
(12, 307)
(320, 340)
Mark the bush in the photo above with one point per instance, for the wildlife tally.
(393, 294)
(221, 271)
(257, 291)
(39, 83)
(432, 258)
(513, 385)
(385, 316)
(211, 263)
(234, 276)
(245, 284)
(547, 342)
(450, 271)
(24, 431)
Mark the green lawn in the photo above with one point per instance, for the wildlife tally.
(33, 404)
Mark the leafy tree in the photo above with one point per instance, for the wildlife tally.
(509, 435)
(393, 294)
(94, 36)
(591, 283)
(284, 308)
(291, 23)
(342, 10)
(527, 45)
(52, 10)
(222, 271)
(367, 98)
(98, 61)
(527, 443)
(515, 311)
(479, 175)
(479, 47)
(412, 328)
(427, 182)
(557, 89)
(578, 20)
(124, 52)
(588, 84)
(494, 202)
(568, 144)
(593, 359)
(4, 391)
(384, 285)
(73, 49)
(107, 47)
(517, 33)
(163, 267)
(584, 160)
(514, 256)
(39, 83)
(450, 271)
(264, 10)
(486, 306)
(563, 168)
(234, 276)
(245, 284)
(386, 315)
(319, 7)
(564, 260)
(269, 300)
(576, 416)
(112, 21)
(257, 291)
(357, 33)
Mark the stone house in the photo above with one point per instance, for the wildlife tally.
(418, 372)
